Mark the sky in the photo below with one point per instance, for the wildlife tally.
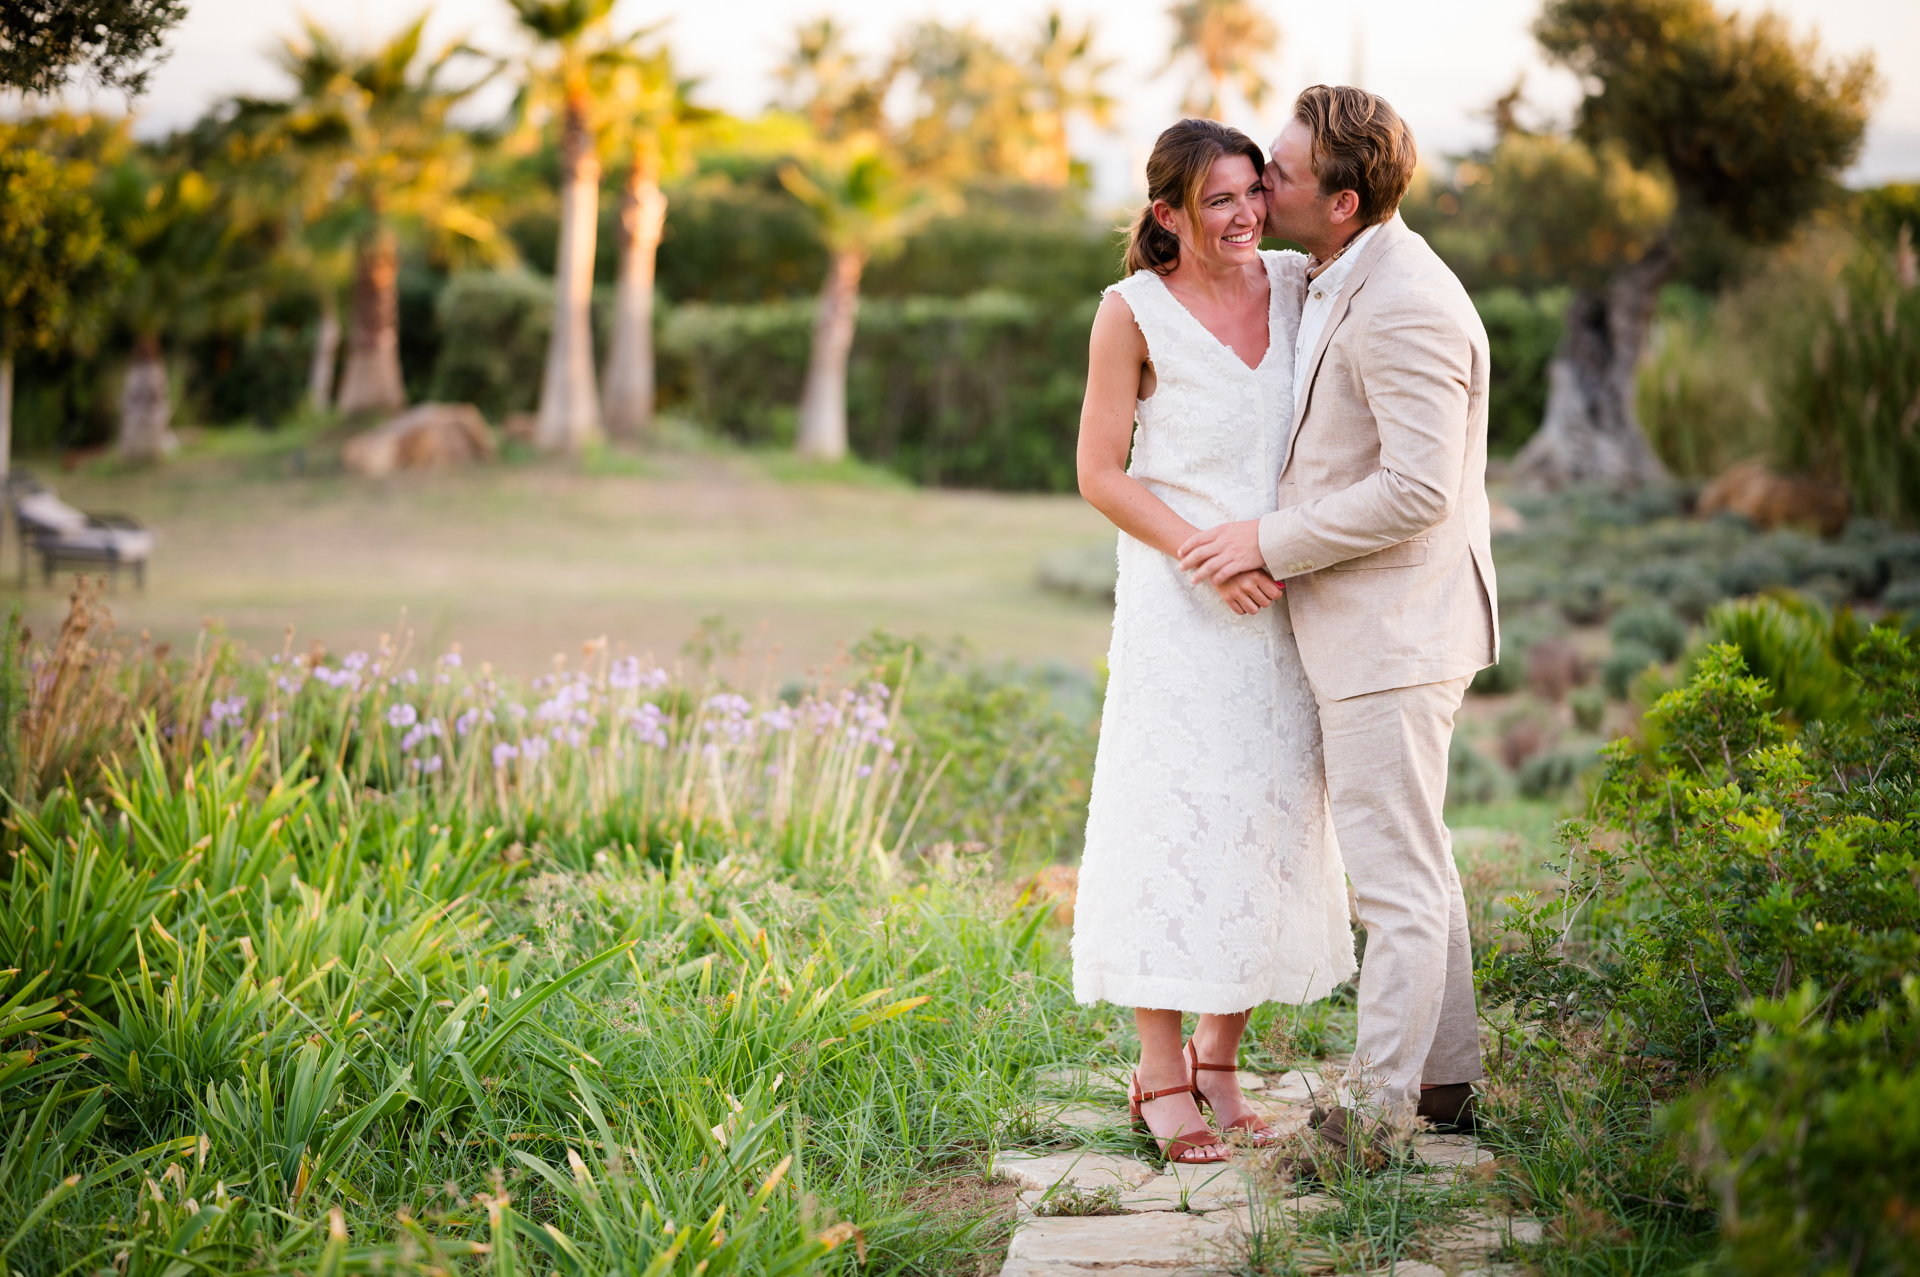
(1440, 64)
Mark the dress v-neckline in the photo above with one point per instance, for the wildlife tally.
(1272, 294)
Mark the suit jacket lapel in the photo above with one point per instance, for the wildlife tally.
(1388, 234)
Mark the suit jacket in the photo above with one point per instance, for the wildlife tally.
(1381, 532)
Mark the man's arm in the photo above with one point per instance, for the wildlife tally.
(1416, 368)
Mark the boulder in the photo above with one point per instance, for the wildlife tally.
(428, 437)
(1770, 500)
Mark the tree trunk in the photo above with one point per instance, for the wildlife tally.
(6, 413)
(629, 390)
(1591, 432)
(823, 405)
(569, 416)
(146, 409)
(372, 382)
(326, 354)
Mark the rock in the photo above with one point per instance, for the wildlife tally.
(1479, 1235)
(1156, 1241)
(1769, 500)
(423, 438)
(1503, 519)
(521, 427)
(1297, 1085)
(1194, 1188)
(1080, 1169)
(1449, 1150)
(1250, 1081)
(1057, 885)
(1085, 1117)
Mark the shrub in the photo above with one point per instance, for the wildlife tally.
(1545, 775)
(1811, 1145)
(1851, 400)
(493, 348)
(1745, 863)
(1652, 625)
(1522, 332)
(1623, 664)
(1473, 779)
(980, 391)
(1797, 649)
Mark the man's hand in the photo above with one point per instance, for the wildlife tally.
(1248, 592)
(1222, 552)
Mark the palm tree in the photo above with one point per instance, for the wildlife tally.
(560, 82)
(651, 119)
(861, 197)
(374, 132)
(1226, 41)
(1064, 77)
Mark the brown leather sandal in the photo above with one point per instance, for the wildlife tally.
(1175, 1148)
(1257, 1129)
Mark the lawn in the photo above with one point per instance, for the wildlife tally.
(520, 561)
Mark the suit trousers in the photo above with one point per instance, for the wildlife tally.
(1386, 755)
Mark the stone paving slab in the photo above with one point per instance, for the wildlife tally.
(1297, 1085)
(1455, 1151)
(1082, 1170)
(1191, 1188)
(1159, 1240)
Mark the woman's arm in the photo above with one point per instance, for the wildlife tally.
(1116, 366)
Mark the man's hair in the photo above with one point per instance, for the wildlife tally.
(1360, 144)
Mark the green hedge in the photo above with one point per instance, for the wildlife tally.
(981, 391)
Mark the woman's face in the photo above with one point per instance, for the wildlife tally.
(1233, 204)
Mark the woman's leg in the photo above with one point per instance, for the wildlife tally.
(1216, 1040)
(1163, 1064)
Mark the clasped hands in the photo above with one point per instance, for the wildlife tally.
(1228, 558)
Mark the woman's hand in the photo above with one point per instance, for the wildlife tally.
(1248, 592)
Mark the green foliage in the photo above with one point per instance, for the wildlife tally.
(1811, 1144)
(1749, 125)
(1799, 649)
(1522, 332)
(493, 330)
(55, 259)
(1654, 626)
(46, 45)
(1746, 862)
(291, 1008)
(979, 391)
(1850, 401)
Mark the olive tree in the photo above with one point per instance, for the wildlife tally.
(1750, 127)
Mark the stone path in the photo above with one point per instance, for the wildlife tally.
(1085, 1213)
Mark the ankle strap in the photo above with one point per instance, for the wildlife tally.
(1148, 1097)
(1193, 1058)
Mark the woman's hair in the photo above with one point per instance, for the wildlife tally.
(1176, 171)
(1360, 144)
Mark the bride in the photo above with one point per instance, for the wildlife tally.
(1210, 882)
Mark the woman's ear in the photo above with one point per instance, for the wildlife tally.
(1163, 213)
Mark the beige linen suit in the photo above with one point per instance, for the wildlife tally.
(1382, 538)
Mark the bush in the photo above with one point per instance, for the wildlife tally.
(1799, 650)
(979, 391)
(1746, 862)
(1849, 404)
(1523, 331)
(1546, 775)
(1623, 665)
(1812, 1144)
(494, 328)
(1652, 625)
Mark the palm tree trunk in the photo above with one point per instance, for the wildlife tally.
(6, 412)
(823, 404)
(1591, 432)
(569, 416)
(372, 380)
(326, 354)
(629, 390)
(146, 408)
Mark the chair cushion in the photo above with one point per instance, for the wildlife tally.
(129, 545)
(44, 510)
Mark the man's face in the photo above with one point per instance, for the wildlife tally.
(1296, 209)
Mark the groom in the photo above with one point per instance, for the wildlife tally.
(1381, 537)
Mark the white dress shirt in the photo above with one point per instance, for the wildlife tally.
(1322, 292)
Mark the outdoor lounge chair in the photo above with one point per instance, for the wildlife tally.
(61, 534)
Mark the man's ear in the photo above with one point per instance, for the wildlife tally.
(1345, 207)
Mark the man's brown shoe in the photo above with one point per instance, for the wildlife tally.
(1336, 1138)
(1450, 1108)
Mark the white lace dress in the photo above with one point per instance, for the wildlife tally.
(1211, 880)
